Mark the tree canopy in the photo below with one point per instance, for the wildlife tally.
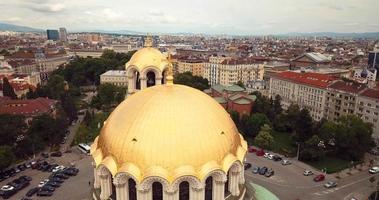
(264, 138)
(8, 90)
(190, 80)
(108, 95)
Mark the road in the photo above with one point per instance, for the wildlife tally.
(288, 183)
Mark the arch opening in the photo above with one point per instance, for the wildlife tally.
(184, 191)
(208, 188)
(137, 80)
(132, 189)
(157, 191)
(150, 79)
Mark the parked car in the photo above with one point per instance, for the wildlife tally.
(260, 152)
(262, 170)
(56, 179)
(48, 188)
(71, 171)
(42, 183)
(56, 154)
(26, 178)
(256, 170)
(32, 191)
(374, 170)
(286, 162)
(44, 193)
(269, 173)
(61, 175)
(53, 184)
(266, 155)
(247, 165)
(330, 184)
(319, 178)
(307, 173)
(7, 188)
(6, 194)
(252, 150)
(45, 155)
(58, 168)
(277, 158)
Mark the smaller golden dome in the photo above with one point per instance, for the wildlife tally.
(148, 57)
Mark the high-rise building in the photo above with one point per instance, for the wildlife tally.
(63, 34)
(52, 35)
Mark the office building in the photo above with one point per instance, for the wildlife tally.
(52, 35)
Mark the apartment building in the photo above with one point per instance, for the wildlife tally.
(114, 77)
(191, 64)
(368, 108)
(211, 69)
(308, 90)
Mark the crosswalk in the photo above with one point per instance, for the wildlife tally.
(325, 192)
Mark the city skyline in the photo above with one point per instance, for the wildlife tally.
(213, 17)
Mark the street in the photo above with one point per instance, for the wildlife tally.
(289, 183)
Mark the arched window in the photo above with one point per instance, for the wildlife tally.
(184, 191)
(132, 189)
(164, 74)
(208, 188)
(150, 78)
(137, 80)
(157, 191)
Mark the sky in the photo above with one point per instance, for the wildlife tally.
(196, 16)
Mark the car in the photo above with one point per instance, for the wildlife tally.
(42, 183)
(307, 173)
(17, 170)
(252, 150)
(286, 162)
(269, 173)
(56, 154)
(330, 184)
(319, 178)
(25, 198)
(271, 157)
(7, 188)
(262, 170)
(7, 194)
(260, 152)
(32, 191)
(277, 158)
(48, 188)
(266, 155)
(58, 168)
(28, 165)
(256, 170)
(374, 170)
(26, 178)
(21, 167)
(44, 193)
(61, 175)
(247, 165)
(56, 179)
(45, 155)
(53, 184)
(71, 171)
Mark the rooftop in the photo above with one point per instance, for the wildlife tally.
(114, 73)
(26, 107)
(307, 78)
(348, 86)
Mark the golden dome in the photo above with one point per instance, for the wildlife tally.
(168, 131)
(147, 57)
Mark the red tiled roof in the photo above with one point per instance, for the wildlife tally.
(26, 107)
(307, 78)
(351, 87)
(371, 93)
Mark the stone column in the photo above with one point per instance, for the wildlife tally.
(143, 83)
(144, 193)
(122, 187)
(218, 189)
(242, 176)
(131, 85)
(106, 186)
(234, 182)
(96, 182)
(197, 193)
(158, 81)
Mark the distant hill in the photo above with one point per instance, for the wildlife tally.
(16, 28)
(335, 34)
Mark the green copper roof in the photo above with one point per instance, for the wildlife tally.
(242, 101)
(220, 99)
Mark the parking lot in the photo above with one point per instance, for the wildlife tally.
(75, 187)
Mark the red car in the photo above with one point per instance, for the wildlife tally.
(319, 178)
(260, 152)
(252, 150)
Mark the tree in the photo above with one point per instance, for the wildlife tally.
(190, 80)
(8, 90)
(264, 138)
(240, 83)
(6, 157)
(255, 123)
(303, 126)
(313, 151)
(108, 95)
(12, 126)
(263, 105)
(277, 106)
(235, 117)
(69, 107)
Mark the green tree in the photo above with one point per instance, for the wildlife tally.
(69, 107)
(12, 127)
(240, 83)
(6, 157)
(313, 151)
(108, 95)
(263, 105)
(190, 80)
(235, 117)
(277, 106)
(303, 126)
(255, 122)
(264, 139)
(8, 90)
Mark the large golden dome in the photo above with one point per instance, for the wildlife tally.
(168, 131)
(148, 57)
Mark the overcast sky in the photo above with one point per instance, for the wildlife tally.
(198, 16)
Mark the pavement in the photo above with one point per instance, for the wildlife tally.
(289, 183)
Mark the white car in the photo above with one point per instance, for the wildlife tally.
(7, 188)
(286, 162)
(374, 170)
(307, 173)
(330, 184)
(266, 155)
(271, 157)
(42, 183)
(58, 168)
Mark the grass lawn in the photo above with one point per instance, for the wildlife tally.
(331, 164)
(282, 144)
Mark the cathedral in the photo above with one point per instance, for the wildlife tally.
(167, 141)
